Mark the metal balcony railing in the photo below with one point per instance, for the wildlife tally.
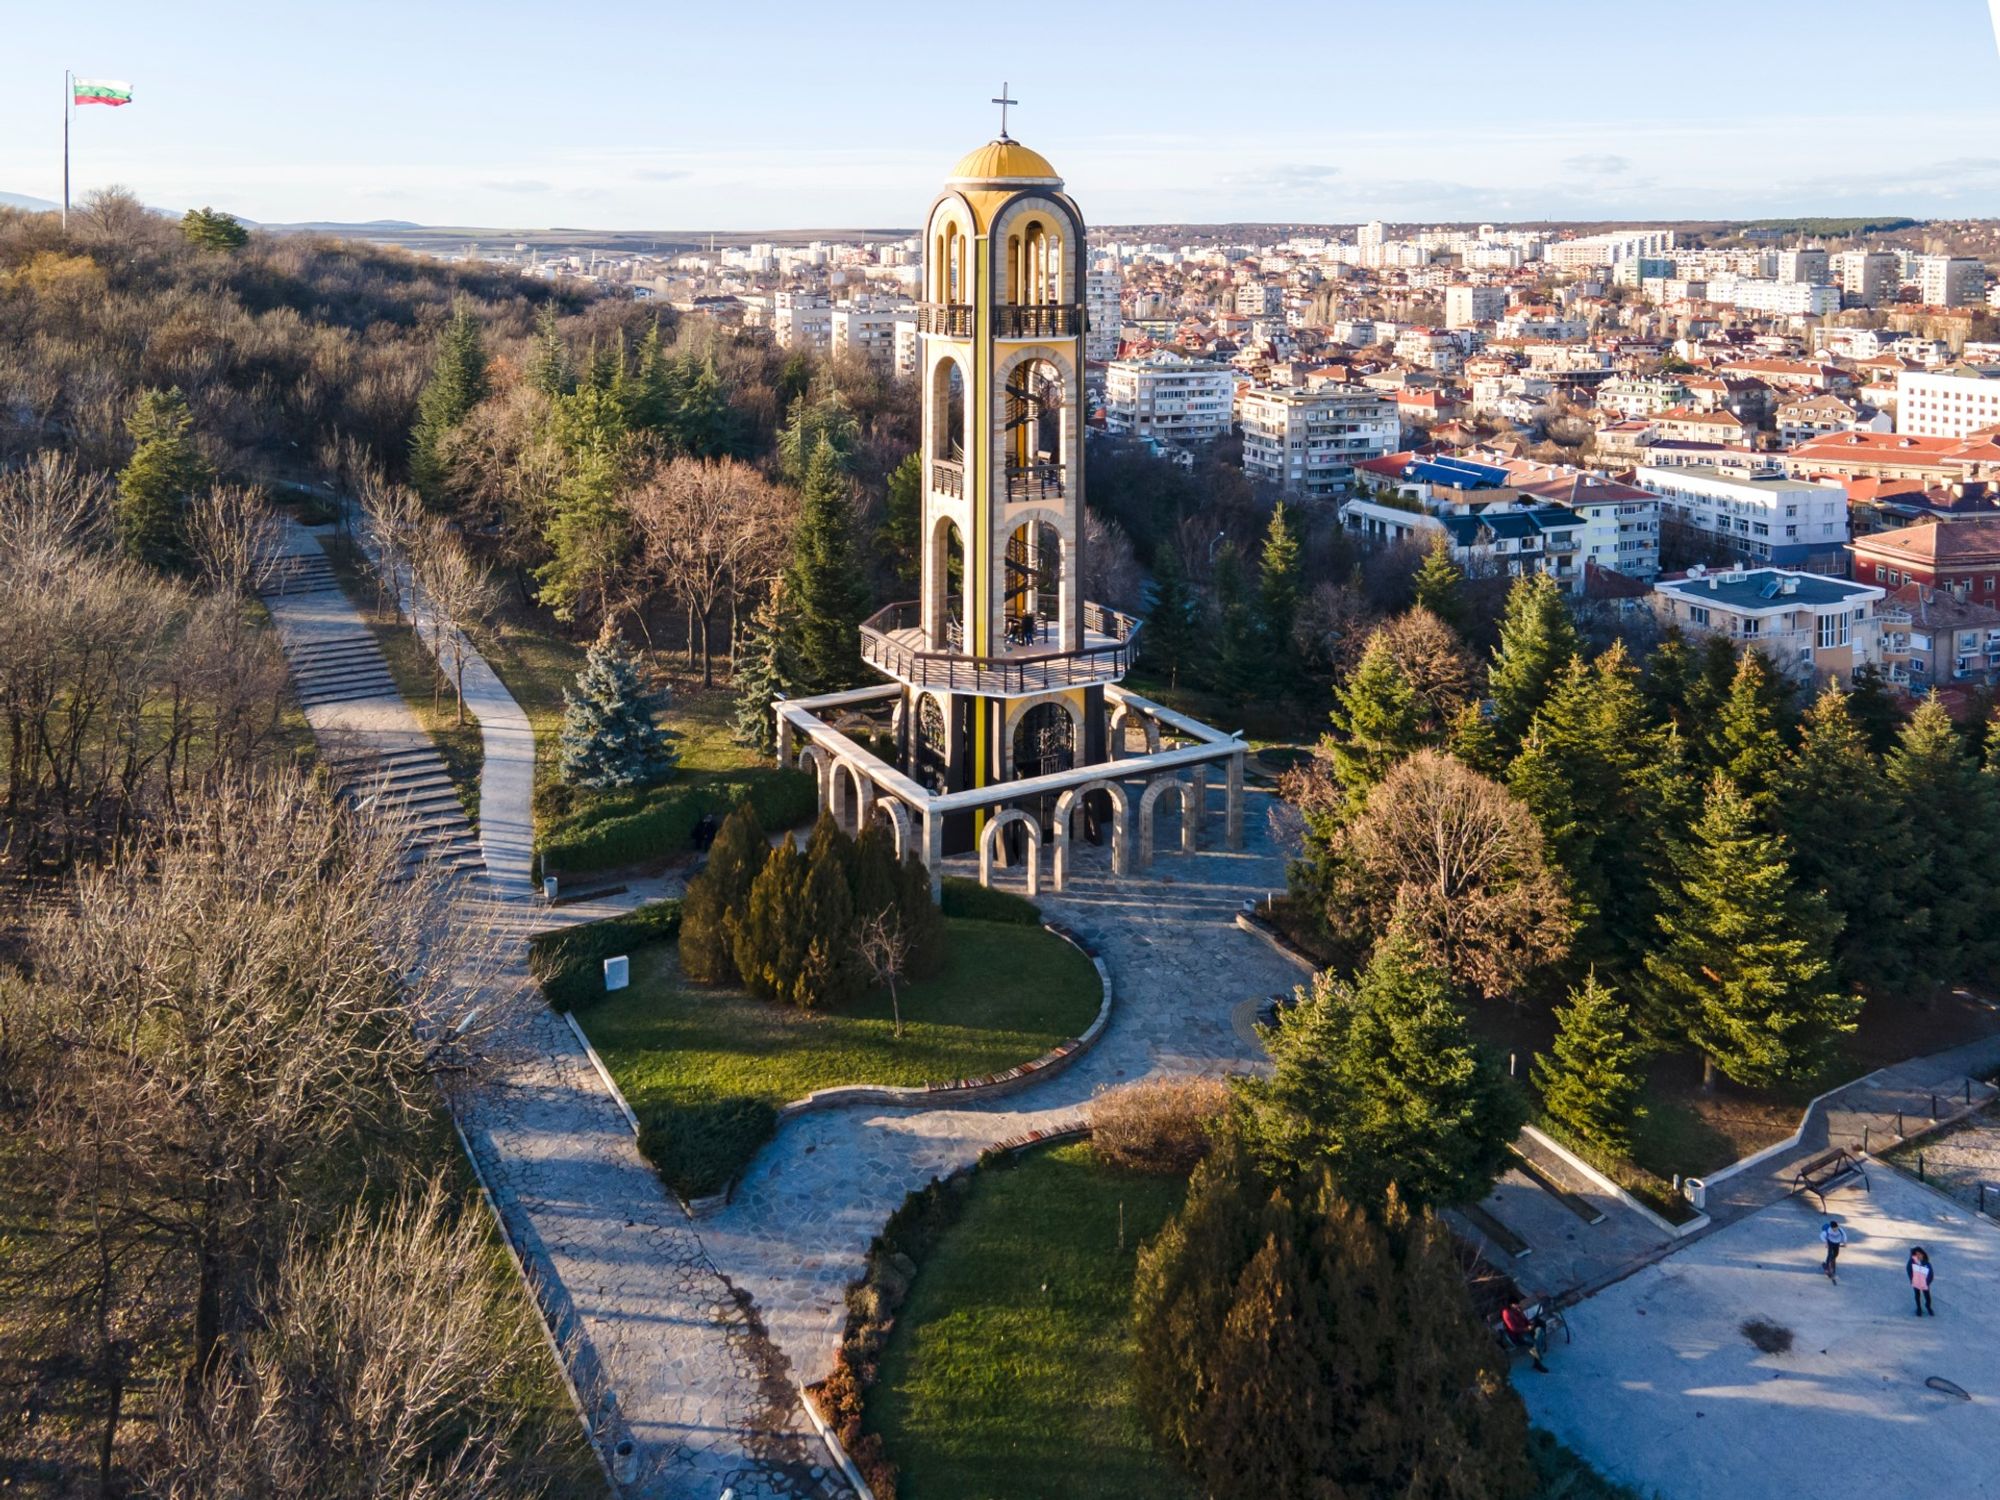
(891, 643)
(948, 478)
(1038, 320)
(1043, 481)
(953, 319)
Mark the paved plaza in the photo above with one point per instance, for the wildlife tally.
(1663, 1391)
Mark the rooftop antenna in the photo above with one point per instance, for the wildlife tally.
(1003, 101)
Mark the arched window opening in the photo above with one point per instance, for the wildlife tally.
(1034, 584)
(1044, 741)
(1034, 432)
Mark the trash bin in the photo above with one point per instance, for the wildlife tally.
(1696, 1191)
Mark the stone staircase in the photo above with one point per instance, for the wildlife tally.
(411, 785)
(302, 573)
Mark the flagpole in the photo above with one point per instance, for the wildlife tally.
(69, 98)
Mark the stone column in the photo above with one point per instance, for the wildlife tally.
(784, 737)
(934, 852)
(1193, 802)
(1234, 807)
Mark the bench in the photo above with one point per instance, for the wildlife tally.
(1827, 1171)
(1551, 1323)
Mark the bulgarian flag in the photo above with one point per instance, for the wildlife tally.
(101, 91)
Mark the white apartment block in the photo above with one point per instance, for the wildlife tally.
(1168, 398)
(1784, 298)
(1809, 626)
(802, 320)
(1868, 278)
(1257, 300)
(868, 329)
(1429, 349)
(1754, 510)
(1308, 442)
(1469, 306)
(1811, 266)
(1608, 249)
(1950, 280)
(1953, 402)
(1103, 290)
(909, 346)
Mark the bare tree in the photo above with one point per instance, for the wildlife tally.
(1434, 662)
(1452, 859)
(51, 506)
(884, 944)
(232, 535)
(455, 594)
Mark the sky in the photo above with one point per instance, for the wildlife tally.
(668, 115)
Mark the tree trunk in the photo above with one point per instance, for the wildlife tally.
(1707, 1074)
(707, 657)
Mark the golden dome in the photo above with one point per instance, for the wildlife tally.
(1003, 163)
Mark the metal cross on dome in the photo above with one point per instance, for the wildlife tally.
(1003, 101)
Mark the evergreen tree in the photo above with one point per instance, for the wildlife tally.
(901, 536)
(823, 583)
(1742, 971)
(155, 485)
(771, 940)
(703, 422)
(1440, 584)
(610, 731)
(1278, 603)
(1948, 807)
(1473, 741)
(1670, 673)
(1383, 1083)
(585, 529)
(819, 418)
(719, 896)
(1848, 840)
(213, 230)
(766, 669)
(1376, 721)
(1234, 664)
(1715, 672)
(1171, 640)
(829, 970)
(457, 384)
(1590, 1080)
(548, 367)
(1537, 640)
(1744, 744)
(1872, 705)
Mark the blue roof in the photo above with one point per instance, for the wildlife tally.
(1459, 473)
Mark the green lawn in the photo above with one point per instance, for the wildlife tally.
(706, 1069)
(1008, 1376)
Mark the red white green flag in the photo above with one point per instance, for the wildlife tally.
(101, 91)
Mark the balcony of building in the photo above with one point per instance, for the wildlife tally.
(948, 478)
(1031, 661)
(1041, 480)
(1038, 320)
(952, 319)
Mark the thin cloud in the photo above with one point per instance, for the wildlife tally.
(662, 174)
(516, 185)
(1605, 165)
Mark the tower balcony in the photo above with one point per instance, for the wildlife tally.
(892, 642)
(1038, 320)
(947, 478)
(1036, 481)
(952, 319)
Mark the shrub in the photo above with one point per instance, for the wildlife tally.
(636, 828)
(968, 898)
(717, 897)
(569, 962)
(698, 1148)
(1159, 1125)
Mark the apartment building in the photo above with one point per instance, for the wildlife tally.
(1952, 402)
(1810, 626)
(1810, 266)
(867, 328)
(1957, 557)
(1950, 280)
(1257, 300)
(1751, 510)
(1103, 290)
(1868, 278)
(1168, 398)
(1608, 249)
(1641, 397)
(1469, 306)
(802, 320)
(1933, 636)
(1308, 442)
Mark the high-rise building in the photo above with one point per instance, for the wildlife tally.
(1811, 266)
(1469, 306)
(1949, 403)
(1103, 292)
(1868, 278)
(1950, 280)
(1168, 398)
(1308, 442)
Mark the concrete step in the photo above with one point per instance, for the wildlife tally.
(350, 695)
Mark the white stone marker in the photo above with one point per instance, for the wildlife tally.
(617, 972)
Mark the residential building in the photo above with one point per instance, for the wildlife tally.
(1168, 398)
(1608, 249)
(1633, 396)
(1806, 417)
(1810, 626)
(1429, 349)
(1952, 402)
(1868, 278)
(867, 327)
(802, 320)
(1752, 510)
(1931, 637)
(1469, 306)
(1103, 290)
(1682, 424)
(1950, 281)
(1308, 442)
(1958, 557)
(1256, 300)
(1809, 266)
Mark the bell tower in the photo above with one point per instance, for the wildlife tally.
(1002, 661)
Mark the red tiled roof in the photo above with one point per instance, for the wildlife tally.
(1959, 544)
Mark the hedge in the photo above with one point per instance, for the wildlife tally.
(961, 897)
(635, 828)
(698, 1148)
(569, 962)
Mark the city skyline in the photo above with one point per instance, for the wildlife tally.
(800, 124)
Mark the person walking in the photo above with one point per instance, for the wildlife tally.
(1834, 1237)
(1921, 1274)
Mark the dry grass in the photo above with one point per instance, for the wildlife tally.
(1161, 1125)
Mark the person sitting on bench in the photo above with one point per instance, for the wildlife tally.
(1524, 1332)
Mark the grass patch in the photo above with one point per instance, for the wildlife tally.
(1009, 1373)
(964, 897)
(1564, 1474)
(705, 1069)
(569, 961)
(418, 678)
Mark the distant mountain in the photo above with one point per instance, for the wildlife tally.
(330, 226)
(22, 200)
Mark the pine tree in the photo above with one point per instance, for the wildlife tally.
(457, 384)
(770, 940)
(829, 971)
(1440, 584)
(1948, 806)
(1872, 705)
(766, 669)
(1670, 672)
(548, 367)
(611, 735)
(1590, 1080)
(1383, 1083)
(586, 530)
(819, 418)
(719, 896)
(1848, 840)
(1743, 971)
(1376, 721)
(1171, 640)
(1537, 640)
(703, 422)
(1278, 603)
(824, 582)
(1234, 665)
(155, 485)
(900, 537)
(214, 230)
(1744, 742)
